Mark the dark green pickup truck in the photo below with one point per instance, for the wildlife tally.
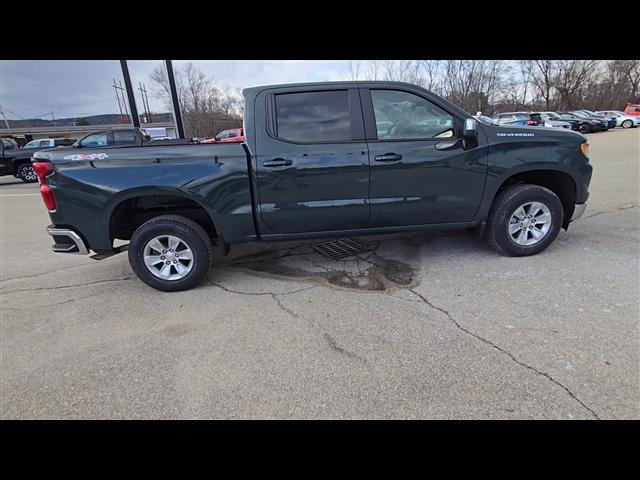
(322, 159)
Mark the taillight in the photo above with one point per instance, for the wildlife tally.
(43, 169)
(531, 122)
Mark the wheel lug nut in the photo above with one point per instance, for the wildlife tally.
(175, 261)
(164, 251)
(162, 258)
(168, 262)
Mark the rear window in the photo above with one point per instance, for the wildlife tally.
(123, 138)
(310, 117)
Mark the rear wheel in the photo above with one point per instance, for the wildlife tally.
(524, 220)
(584, 128)
(26, 173)
(170, 253)
(627, 124)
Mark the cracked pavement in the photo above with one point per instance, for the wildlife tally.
(419, 326)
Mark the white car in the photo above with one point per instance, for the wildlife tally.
(622, 119)
(49, 143)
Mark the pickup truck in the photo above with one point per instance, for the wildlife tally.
(229, 135)
(319, 160)
(16, 161)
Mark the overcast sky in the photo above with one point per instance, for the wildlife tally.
(34, 89)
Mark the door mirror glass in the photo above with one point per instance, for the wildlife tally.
(470, 128)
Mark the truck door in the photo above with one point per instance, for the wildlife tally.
(420, 171)
(312, 161)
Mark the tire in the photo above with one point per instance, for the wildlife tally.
(503, 211)
(167, 227)
(584, 128)
(627, 124)
(26, 173)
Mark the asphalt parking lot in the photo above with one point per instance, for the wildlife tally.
(421, 326)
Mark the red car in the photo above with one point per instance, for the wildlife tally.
(229, 135)
(632, 109)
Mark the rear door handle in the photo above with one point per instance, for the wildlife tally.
(278, 162)
(388, 157)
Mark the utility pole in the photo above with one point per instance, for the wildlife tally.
(115, 89)
(124, 103)
(4, 117)
(145, 101)
(130, 96)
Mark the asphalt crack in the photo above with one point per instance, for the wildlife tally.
(505, 352)
(59, 287)
(619, 209)
(45, 273)
(343, 351)
(47, 305)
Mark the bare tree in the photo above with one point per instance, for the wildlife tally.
(570, 79)
(205, 108)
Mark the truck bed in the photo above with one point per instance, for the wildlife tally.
(89, 184)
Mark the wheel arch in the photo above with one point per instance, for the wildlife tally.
(558, 181)
(131, 208)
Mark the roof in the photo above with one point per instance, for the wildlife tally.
(346, 83)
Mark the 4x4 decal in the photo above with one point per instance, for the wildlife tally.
(87, 156)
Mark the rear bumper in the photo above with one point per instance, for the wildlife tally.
(578, 211)
(67, 241)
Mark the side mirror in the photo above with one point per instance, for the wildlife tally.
(470, 133)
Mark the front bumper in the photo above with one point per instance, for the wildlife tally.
(578, 211)
(67, 241)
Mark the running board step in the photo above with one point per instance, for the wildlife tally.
(115, 251)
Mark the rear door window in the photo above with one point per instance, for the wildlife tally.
(95, 140)
(124, 138)
(311, 117)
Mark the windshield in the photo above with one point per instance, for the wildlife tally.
(552, 115)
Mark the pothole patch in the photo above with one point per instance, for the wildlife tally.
(366, 271)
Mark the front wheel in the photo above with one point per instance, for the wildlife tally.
(627, 124)
(170, 253)
(524, 220)
(584, 129)
(26, 173)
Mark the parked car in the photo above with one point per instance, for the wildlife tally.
(229, 135)
(515, 118)
(632, 109)
(110, 138)
(546, 120)
(604, 123)
(49, 143)
(585, 125)
(611, 122)
(484, 119)
(16, 161)
(622, 120)
(315, 165)
(574, 124)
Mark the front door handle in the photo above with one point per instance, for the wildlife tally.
(278, 162)
(388, 157)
